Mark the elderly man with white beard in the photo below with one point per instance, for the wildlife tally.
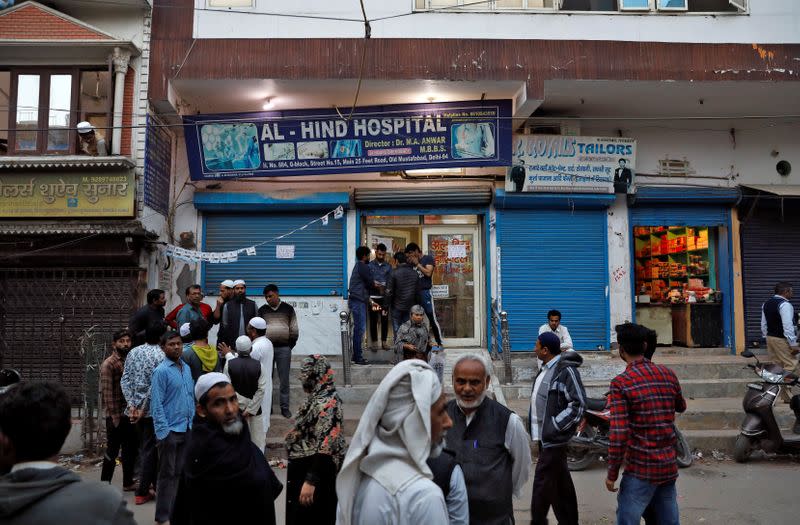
(490, 443)
(221, 456)
(385, 478)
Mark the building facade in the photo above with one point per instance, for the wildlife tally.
(74, 227)
(692, 106)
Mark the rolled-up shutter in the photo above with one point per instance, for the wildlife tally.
(680, 216)
(429, 196)
(317, 267)
(552, 259)
(770, 254)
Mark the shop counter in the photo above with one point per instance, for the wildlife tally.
(658, 317)
(697, 324)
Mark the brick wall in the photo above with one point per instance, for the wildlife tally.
(128, 110)
(34, 23)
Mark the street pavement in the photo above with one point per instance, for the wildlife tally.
(710, 492)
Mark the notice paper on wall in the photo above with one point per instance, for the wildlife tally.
(440, 291)
(456, 251)
(284, 251)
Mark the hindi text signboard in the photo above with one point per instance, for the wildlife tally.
(67, 195)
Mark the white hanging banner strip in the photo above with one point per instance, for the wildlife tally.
(182, 254)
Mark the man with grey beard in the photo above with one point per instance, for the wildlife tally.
(220, 454)
(490, 443)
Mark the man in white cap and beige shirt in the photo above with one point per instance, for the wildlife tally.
(88, 142)
(385, 478)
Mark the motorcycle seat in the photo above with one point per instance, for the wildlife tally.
(596, 404)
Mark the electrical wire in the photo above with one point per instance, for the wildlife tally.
(258, 116)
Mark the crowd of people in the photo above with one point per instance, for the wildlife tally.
(190, 420)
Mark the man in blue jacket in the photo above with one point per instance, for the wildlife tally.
(558, 402)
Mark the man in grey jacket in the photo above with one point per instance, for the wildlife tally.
(35, 419)
(558, 402)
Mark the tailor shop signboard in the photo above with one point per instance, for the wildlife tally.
(40, 195)
(557, 163)
(377, 138)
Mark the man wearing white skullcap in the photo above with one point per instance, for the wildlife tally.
(221, 454)
(89, 143)
(235, 315)
(385, 478)
(250, 383)
(264, 353)
(225, 294)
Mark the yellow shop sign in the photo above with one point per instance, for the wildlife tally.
(66, 195)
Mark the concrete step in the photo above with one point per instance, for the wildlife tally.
(724, 414)
(692, 388)
(606, 367)
(279, 425)
(701, 414)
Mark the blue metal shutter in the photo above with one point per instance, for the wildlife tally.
(317, 267)
(680, 216)
(553, 259)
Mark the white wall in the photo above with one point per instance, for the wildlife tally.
(317, 319)
(711, 152)
(769, 21)
(620, 267)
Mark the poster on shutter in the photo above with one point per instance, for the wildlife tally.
(284, 251)
(440, 291)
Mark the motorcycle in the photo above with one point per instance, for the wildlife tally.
(760, 430)
(591, 438)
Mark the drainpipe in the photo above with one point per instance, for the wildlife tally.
(121, 60)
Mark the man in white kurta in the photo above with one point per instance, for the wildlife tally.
(262, 351)
(248, 374)
(385, 479)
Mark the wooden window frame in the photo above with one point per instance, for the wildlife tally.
(76, 112)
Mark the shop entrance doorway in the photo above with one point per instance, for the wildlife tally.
(454, 241)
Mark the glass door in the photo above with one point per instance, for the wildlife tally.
(457, 281)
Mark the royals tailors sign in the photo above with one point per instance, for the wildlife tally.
(558, 163)
(320, 141)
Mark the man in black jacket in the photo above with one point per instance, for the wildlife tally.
(401, 291)
(219, 453)
(558, 402)
(235, 315)
(151, 313)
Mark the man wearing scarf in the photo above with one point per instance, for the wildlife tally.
(316, 448)
(412, 337)
(220, 456)
(385, 478)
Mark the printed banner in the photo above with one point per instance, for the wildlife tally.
(377, 138)
(66, 195)
(556, 163)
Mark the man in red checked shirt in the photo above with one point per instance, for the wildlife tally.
(644, 399)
